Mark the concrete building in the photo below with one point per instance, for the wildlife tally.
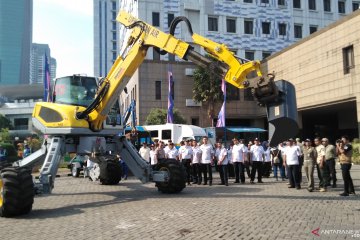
(252, 29)
(106, 35)
(37, 63)
(17, 105)
(325, 69)
(15, 41)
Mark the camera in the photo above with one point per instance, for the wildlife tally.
(338, 141)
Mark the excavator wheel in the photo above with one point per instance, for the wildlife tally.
(16, 191)
(177, 176)
(110, 170)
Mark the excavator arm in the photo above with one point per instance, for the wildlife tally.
(242, 74)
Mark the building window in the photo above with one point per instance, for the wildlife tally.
(355, 6)
(297, 3)
(313, 29)
(195, 121)
(156, 19)
(327, 5)
(156, 55)
(281, 2)
(249, 55)
(341, 6)
(154, 133)
(248, 95)
(114, 5)
(248, 26)
(171, 57)
(114, 56)
(282, 29)
(21, 123)
(114, 26)
(248, 1)
(158, 90)
(312, 4)
(212, 24)
(231, 25)
(232, 92)
(265, 1)
(113, 15)
(266, 54)
(171, 17)
(114, 36)
(348, 58)
(298, 31)
(265, 27)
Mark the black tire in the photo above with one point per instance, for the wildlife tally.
(110, 170)
(75, 172)
(177, 176)
(17, 191)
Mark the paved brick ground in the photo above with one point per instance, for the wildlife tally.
(80, 209)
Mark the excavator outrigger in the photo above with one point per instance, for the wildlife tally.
(74, 125)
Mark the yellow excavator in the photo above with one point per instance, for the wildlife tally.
(78, 120)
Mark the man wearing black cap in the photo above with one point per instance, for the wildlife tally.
(291, 158)
(257, 158)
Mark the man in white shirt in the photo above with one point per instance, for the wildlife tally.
(291, 159)
(257, 159)
(145, 152)
(172, 152)
(223, 162)
(167, 147)
(195, 163)
(185, 154)
(207, 159)
(238, 156)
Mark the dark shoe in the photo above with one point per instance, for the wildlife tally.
(221, 183)
(344, 194)
(310, 189)
(205, 183)
(199, 183)
(260, 182)
(226, 184)
(236, 182)
(353, 192)
(334, 185)
(298, 187)
(252, 182)
(291, 186)
(189, 184)
(195, 182)
(210, 183)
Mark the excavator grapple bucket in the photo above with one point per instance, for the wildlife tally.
(282, 114)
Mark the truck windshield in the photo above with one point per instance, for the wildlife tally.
(75, 90)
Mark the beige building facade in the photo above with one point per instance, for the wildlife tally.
(149, 87)
(325, 69)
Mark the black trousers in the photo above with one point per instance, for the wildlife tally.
(330, 165)
(294, 176)
(247, 168)
(266, 169)
(348, 183)
(187, 165)
(231, 170)
(206, 168)
(239, 172)
(196, 171)
(256, 166)
(223, 170)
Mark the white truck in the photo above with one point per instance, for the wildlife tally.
(175, 132)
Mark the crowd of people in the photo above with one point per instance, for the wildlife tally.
(287, 161)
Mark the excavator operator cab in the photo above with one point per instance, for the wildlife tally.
(75, 90)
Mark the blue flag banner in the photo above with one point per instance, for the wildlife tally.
(170, 114)
(47, 87)
(221, 117)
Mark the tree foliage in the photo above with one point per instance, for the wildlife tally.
(159, 116)
(5, 135)
(4, 122)
(207, 88)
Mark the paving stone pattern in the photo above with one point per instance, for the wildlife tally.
(81, 209)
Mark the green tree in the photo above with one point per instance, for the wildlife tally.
(5, 135)
(207, 88)
(4, 122)
(158, 116)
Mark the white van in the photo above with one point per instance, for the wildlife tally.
(175, 132)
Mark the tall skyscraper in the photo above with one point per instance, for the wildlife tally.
(105, 35)
(15, 41)
(37, 63)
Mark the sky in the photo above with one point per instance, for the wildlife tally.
(67, 26)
